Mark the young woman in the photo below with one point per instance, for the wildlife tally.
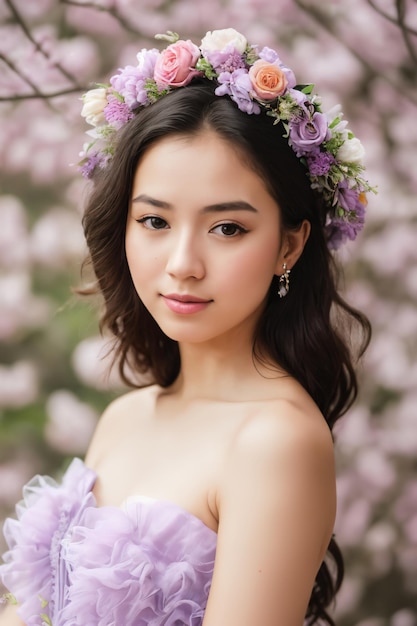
(208, 495)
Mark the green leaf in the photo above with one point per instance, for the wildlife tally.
(307, 89)
(152, 90)
(204, 66)
(335, 122)
(251, 55)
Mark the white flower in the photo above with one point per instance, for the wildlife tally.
(93, 108)
(352, 151)
(217, 40)
(336, 121)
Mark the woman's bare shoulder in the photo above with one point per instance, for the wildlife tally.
(291, 423)
(137, 403)
(288, 445)
(276, 503)
(288, 413)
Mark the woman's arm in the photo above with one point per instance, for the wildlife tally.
(8, 617)
(276, 511)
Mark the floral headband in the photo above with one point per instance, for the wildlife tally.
(255, 79)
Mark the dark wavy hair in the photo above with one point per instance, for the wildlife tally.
(312, 333)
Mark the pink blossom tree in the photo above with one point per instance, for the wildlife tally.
(52, 382)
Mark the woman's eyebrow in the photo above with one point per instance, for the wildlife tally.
(235, 205)
(160, 204)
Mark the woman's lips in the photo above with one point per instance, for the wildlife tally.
(185, 303)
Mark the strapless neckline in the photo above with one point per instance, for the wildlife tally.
(164, 502)
(146, 562)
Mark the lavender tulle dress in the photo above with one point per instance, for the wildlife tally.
(71, 563)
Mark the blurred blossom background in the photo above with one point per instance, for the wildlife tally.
(53, 364)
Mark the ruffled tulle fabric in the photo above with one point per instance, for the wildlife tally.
(34, 570)
(148, 563)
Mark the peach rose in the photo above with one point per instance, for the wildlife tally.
(268, 80)
(175, 66)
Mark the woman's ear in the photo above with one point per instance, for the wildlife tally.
(293, 244)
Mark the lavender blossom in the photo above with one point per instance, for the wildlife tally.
(91, 162)
(89, 165)
(131, 86)
(341, 228)
(269, 55)
(146, 62)
(227, 60)
(130, 82)
(299, 97)
(348, 199)
(320, 163)
(238, 86)
(117, 113)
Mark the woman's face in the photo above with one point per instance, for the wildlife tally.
(203, 239)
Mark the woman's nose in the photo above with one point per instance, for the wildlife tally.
(185, 259)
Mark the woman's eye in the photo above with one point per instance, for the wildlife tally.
(153, 223)
(229, 229)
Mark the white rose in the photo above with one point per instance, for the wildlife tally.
(217, 40)
(352, 151)
(93, 108)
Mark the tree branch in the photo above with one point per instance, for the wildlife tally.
(36, 93)
(401, 12)
(111, 11)
(26, 79)
(322, 19)
(389, 18)
(38, 47)
(42, 96)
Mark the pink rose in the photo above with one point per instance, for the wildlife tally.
(268, 80)
(175, 65)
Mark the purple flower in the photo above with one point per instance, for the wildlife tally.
(89, 165)
(267, 54)
(227, 60)
(341, 228)
(146, 62)
(348, 198)
(299, 97)
(117, 113)
(238, 86)
(130, 82)
(131, 86)
(320, 163)
(308, 130)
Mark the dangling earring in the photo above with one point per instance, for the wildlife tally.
(284, 282)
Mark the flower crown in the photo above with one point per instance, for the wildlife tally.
(255, 79)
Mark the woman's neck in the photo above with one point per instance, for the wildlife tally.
(222, 374)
